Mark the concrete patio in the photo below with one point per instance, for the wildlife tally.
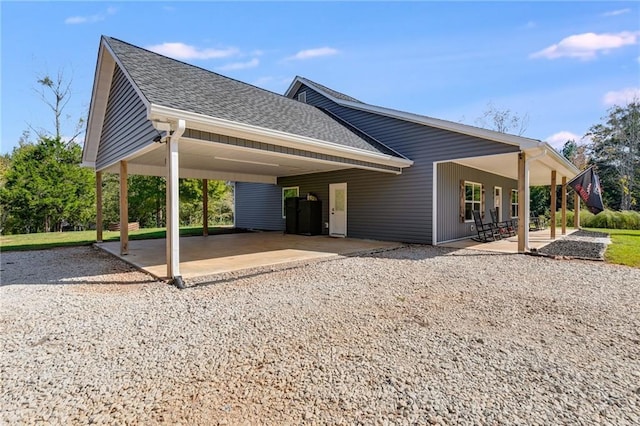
(537, 240)
(215, 254)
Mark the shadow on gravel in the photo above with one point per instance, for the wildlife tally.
(67, 266)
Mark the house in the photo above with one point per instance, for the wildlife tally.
(381, 173)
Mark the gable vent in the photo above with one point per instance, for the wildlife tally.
(302, 97)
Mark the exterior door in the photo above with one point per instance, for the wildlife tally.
(338, 209)
(497, 201)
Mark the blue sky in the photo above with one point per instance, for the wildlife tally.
(561, 63)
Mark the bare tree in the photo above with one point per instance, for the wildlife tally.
(503, 120)
(56, 94)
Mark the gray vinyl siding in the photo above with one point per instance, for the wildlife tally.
(126, 128)
(409, 198)
(258, 206)
(449, 177)
(379, 206)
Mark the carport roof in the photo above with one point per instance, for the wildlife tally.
(181, 86)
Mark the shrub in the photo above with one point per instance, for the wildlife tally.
(626, 219)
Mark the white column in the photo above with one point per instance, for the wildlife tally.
(173, 207)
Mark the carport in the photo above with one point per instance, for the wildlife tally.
(151, 115)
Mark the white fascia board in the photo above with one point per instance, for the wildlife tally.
(261, 134)
(561, 164)
(151, 146)
(126, 74)
(293, 87)
(506, 138)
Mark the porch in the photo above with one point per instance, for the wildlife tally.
(537, 240)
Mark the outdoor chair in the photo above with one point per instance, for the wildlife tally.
(535, 222)
(506, 227)
(486, 231)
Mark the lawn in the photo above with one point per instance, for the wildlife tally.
(79, 238)
(624, 248)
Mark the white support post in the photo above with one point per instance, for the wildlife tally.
(173, 207)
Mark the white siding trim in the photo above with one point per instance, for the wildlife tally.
(434, 225)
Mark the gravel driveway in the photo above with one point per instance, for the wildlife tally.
(410, 336)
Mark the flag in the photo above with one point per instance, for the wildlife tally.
(587, 185)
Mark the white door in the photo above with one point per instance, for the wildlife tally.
(497, 201)
(338, 209)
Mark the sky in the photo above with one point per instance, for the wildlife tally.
(562, 64)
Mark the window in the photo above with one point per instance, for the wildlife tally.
(472, 199)
(288, 192)
(302, 97)
(514, 203)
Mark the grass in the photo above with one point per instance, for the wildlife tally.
(46, 240)
(624, 248)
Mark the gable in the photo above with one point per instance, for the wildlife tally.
(125, 129)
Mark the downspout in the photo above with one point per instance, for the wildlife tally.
(527, 198)
(173, 230)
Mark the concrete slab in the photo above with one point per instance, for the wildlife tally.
(215, 254)
(537, 240)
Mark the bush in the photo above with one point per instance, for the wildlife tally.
(626, 219)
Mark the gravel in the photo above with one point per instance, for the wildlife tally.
(416, 335)
(587, 245)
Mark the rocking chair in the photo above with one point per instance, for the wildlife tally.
(486, 231)
(506, 227)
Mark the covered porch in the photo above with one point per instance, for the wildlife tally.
(533, 164)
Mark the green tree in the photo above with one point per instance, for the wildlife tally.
(45, 188)
(615, 151)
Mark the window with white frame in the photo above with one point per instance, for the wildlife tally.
(514, 203)
(472, 199)
(288, 192)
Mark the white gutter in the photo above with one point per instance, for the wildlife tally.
(527, 197)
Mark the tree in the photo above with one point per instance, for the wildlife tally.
(56, 94)
(45, 188)
(576, 154)
(503, 120)
(615, 151)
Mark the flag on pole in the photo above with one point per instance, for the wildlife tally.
(587, 185)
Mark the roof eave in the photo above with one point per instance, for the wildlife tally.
(217, 125)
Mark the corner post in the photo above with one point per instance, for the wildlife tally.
(99, 207)
(205, 207)
(124, 209)
(522, 194)
(564, 205)
(553, 204)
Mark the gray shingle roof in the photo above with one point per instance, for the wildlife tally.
(171, 83)
(332, 92)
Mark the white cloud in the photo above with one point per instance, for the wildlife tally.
(240, 65)
(72, 20)
(621, 97)
(586, 46)
(314, 53)
(557, 140)
(529, 25)
(179, 50)
(616, 12)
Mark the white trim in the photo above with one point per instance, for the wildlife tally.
(501, 211)
(331, 196)
(147, 148)
(472, 201)
(511, 203)
(261, 134)
(126, 74)
(434, 202)
(233, 183)
(284, 188)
